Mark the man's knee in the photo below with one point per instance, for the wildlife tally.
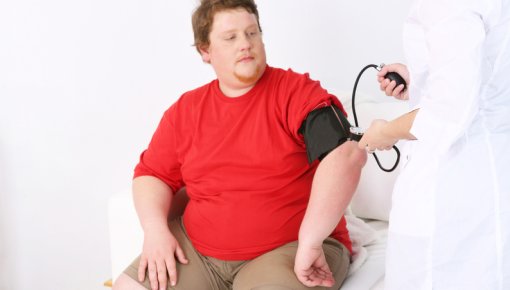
(124, 282)
(271, 287)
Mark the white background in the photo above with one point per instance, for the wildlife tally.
(83, 85)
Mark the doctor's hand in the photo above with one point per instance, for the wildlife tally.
(160, 249)
(311, 267)
(376, 138)
(390, 87)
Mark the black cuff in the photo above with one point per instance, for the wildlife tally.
(324, 129)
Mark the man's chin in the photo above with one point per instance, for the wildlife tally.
(248, 78)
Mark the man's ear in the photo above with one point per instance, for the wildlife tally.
(204, 52)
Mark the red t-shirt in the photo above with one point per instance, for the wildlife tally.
(243, 163)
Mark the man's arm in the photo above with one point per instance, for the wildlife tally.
(334, 183)
(153, 198)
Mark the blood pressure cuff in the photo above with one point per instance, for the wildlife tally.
(324, 129)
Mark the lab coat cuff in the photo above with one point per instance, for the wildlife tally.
(433, 131)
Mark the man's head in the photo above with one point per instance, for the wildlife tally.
(203, 17)
(228, 36)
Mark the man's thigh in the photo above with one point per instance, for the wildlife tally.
(275, 270)
(194, 275)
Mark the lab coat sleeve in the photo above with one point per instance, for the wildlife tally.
(454, 34)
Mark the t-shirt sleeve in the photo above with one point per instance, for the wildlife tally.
(160, 159)
(305, 95)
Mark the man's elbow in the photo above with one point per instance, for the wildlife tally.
(349, 156)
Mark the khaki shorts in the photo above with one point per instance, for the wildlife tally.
(273, 270)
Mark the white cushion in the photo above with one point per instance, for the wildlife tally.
(126, 235)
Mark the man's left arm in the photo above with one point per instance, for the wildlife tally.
(334, 183)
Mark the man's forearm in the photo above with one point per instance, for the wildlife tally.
(152, 198)
(334, 184)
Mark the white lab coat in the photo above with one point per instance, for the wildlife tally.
(450, 219)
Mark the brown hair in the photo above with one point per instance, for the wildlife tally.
(203, 16)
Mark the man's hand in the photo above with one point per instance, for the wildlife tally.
(311, 267)
(159, 251)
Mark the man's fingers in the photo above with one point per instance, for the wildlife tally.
(172, 271)
(141, 269)
(320, 276)
(307, 281)
(320, 280)
(153, 275)
(314, 280)
(162, 277)
(180, 256)
(324, 271)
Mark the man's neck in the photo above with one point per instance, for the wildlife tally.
(233, 92)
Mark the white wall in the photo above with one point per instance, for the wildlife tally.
(83, 85)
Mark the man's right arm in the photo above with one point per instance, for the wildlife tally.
(152, 199)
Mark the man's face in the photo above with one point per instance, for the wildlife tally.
(236, 50)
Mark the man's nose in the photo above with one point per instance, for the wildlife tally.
(245, 42)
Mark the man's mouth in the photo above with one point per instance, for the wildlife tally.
(245, 58)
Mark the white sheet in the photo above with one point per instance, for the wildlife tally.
(369, 251)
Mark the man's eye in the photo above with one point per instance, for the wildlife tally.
(230, 37)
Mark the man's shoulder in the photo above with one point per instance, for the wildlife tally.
(289, 72)
(289, 77)
(189, 102)
(198, 93)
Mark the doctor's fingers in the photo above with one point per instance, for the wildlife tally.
(384, 70)
(399, 68)
(390, 88)
(398, 92)
(383, 84)
(403, 95)
(368, 140)
(362, 143)
(384, 148)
